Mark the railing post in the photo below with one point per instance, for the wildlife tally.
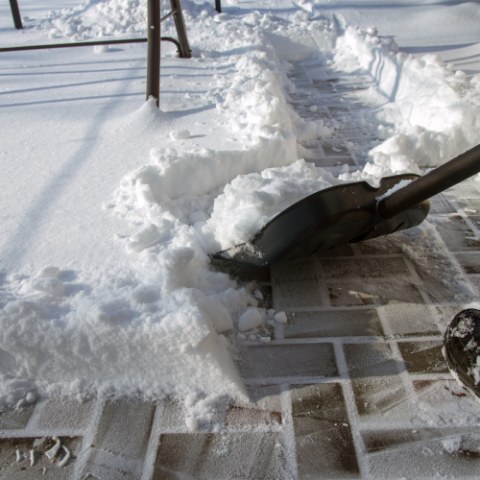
(185, 51)
(17, 19)
(153, 55)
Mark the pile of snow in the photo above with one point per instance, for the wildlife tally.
(96, 20)
(160, 321)
(254, 199)
(430, 113)
(122, 336)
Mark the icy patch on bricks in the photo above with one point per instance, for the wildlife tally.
(444, 403)
(441, 276)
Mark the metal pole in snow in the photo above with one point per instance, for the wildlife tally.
(185, 51)
(153, 55)
(17, 19)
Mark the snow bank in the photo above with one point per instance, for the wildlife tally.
(153, 327)
(159, 323)
(97, 19)
(431, 112)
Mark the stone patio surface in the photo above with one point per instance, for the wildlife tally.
(354, 385)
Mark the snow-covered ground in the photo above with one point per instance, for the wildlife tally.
(110, 207)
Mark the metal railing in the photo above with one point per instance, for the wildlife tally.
(153, 41)
(17, 19)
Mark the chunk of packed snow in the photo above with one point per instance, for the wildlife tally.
(250, 319)
(281, 317)
(179, 134)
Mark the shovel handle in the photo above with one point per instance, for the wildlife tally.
(454, 171)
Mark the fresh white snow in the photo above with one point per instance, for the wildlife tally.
(111, 207)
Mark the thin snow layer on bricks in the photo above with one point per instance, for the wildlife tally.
(120, 442)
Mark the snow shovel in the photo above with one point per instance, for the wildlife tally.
(350, 213)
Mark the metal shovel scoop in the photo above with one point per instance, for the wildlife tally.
(350, 213)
